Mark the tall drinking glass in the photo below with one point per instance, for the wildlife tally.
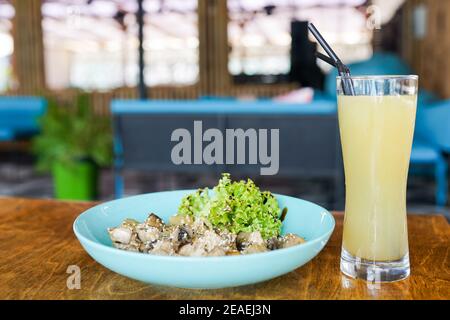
(376, 128)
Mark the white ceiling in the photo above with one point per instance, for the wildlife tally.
(80, 23)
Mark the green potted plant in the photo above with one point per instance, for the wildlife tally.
(72, 145)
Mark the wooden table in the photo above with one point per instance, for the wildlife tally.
(37, 245)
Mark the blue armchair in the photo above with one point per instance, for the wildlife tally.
(432, 133)
(18, 116)
(432, 138)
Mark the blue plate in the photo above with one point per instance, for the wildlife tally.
(304, 218)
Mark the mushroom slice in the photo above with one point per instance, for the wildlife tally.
(154, 221)
(181, 236)
(184, 235)
(146, 247)
(129, 223)
(233, 253)
(283, 214)
(273, 243)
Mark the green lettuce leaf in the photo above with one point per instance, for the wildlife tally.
(235, 206)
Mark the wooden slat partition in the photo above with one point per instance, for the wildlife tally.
(28, 46)
(429, 56)
(213, 35)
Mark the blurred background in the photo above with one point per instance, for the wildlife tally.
(71, 72)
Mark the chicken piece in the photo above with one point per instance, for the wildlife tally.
(179, 220)
(290, 240)
(163, 247)
(192, 250)
(147, 233)
(255, 248)
(125, 239)
(120, 235)
(216, 252)
(210, 240)
(126, 247)
(256, 238)
(228, 240)
(208, 244)
(199, 226)
(166, 231)
(245, 239)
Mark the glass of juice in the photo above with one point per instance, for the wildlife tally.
(376, 126)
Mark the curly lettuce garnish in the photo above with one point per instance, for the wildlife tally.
(235, 206)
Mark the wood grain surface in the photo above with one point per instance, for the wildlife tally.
(37, 245)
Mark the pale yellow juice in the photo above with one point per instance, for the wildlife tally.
(376, 136)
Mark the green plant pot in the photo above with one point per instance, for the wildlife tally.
(76, 181)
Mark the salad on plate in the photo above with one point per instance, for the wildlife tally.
(233, 218)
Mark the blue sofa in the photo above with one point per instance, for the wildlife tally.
(18, 116)
(432, 132)
(142, 131)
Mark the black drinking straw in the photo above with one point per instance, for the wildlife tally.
(326, 58)
(334, 60)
